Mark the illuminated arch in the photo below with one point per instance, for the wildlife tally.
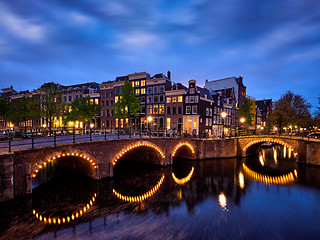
(127, 149)
(38, 167)
(185, 179)
(141, 197)
(283, 179)
(180, 145)
(65, 219)
(268, 140)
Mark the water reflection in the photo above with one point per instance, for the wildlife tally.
(190, 200)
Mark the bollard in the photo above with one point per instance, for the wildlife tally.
(90, 135)
(32, 142)
(105, 133)
(74, 136)
(9, 142)
(54, 139)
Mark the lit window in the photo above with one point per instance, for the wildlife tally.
(174, 99)
(132, 83)
(143, 83)
(137, 83)
(116, 98)
(194, 122)
(137, 91)
(180, 99)
(96, 101)
(168, 99)
(149, 109)
(161, 109)
(143, 91)
(168, 123)
(155, 109)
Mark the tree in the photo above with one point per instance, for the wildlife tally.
(247, 111)
(82, 109)
(25, 109)
(5, 109)
(291, 109)
(128, 105)
(51, 102)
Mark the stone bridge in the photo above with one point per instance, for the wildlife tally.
(97, 159)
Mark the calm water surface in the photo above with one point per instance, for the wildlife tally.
(263, 197)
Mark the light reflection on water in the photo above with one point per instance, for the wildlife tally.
(213, 199)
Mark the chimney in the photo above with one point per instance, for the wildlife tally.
(169, 75)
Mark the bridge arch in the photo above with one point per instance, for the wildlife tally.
(178, 153)
(91, 162)
(258, 142)
(137, 145)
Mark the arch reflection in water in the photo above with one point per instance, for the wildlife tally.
(142, 197)
(185, 179)
(65, 219)
(282, 179)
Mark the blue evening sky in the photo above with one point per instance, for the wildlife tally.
(274, 45)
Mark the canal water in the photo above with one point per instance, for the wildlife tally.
(267, 196)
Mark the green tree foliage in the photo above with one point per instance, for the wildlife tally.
(247, 111)
(128, 105)
(82, 109)
(291, 109)
(51, 102)
(5, 109)
(26, 108)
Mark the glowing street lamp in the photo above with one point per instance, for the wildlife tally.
(149, 120)
(242, 120)
(91, 125)
(223, 115)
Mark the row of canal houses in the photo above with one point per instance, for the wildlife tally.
(165, 105)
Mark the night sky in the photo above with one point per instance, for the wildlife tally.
(273, 44)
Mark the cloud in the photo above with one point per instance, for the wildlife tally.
(79, 18)
(22, 28)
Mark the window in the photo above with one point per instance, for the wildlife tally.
(161, 89)
(137, 91)
(168, 110)
(96, 101)
(161, 98)
(102, 103)
(143, 99)
(111, 113)
(155, 89)
(149, 99)
(70, 98)
(116, 91)
(207, 121)
(149, 109)
(137, 83)
(191, 99)
(111, 102)
(155, 109)
(210, 112)
(143, 109)
(168, 99)
(215, 110)
(107, 94)
(174, 99)
(173, 110)
(187, 99)
(116, 98)
(161, 109)
(196, 99)
(188, 109)
(143, 83)
(149, 90)
(107, 103)
(192, 90)
(132, 83)
(102, 95)
(194, 109)
(207, 111)
(180, 99)
(65, 98)
(107, 113)
(179, 110)
(111, 94)
(143, 91)
(168, 123)
(155, 99)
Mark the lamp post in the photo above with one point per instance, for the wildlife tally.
(149, 119)
(223, 115)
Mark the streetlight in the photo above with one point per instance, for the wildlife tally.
(223, 115)
(242, 120)
(149, 119)
(44, 125)
(91, 125)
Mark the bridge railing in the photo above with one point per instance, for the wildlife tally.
(11, 141)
